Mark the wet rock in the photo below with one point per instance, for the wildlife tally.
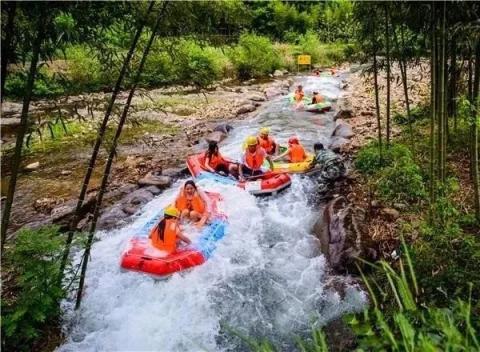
(153, 190)
(337, 143)
(223, 127)
(338, 228)
(139, 197)
(174, 172)
(245, 109)
(151, 179)
(256, 97)
(272, 92)
(391, 213)
(343, 129)
(32, 167)
(216, 136)
(343, 114)
(64, 213)
(111, 218)
(277, 73)
(129, 209)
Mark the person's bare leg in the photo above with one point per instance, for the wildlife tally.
(185, 214)
(195, 216)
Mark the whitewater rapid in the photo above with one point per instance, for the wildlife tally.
(266, 278)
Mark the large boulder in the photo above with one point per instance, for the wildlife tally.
(138, 197)
(151, 179)
(343, 129)
(175, 172)
(339, 230)
(223, 127)
(337, 143)
(112, 217)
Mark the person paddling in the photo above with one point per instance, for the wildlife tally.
(295, 152)
(252, 159)
(164, 236)
(192, 204)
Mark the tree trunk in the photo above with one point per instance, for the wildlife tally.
(17, 157)
(377, 101)
(433, 106)
(387, 39)
(111, 155)
(442, 100)
(452, 103)
(100, 136)
(474, 128)
(403, 73)
(7, 44)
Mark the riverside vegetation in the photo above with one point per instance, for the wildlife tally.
(425, 298)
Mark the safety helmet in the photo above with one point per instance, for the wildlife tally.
(171, 211)
(293, 140)
(251, 140)
(264, 130)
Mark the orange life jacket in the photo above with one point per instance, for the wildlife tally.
(296, 153)
(317, 99)
(169, 242)
(254, 160)
(299, 95)
(266, 143)
(196, 203)
(215, 160)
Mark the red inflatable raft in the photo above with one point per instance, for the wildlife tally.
(142, 256)
(268, 183)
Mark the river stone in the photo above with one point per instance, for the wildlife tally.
(343, 114)
(161, 181)
(245, 109)
(216, 136)
(175, 172)
(111, 218)
(277, 73)
(32, 167)
(272, 92)
(337, 143)
(343, 129)
(256, 97)
(139, 197)
(153, 190)
(223, 127)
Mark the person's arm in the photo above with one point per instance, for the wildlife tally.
(284, 154)
(207, 165)
(181, 236)
(240, 169)
(270, 162)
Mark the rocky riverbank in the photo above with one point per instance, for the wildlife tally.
(353, 223)
(164, 126)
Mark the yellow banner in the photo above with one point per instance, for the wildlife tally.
(304, 59)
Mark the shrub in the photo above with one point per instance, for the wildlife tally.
(254, 56)
(310, 44)
(35, 262)
(85, 72)
(45, 85)
(368, 158)
(397, 322)
(401, 182)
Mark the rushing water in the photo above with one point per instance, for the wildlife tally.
(266, 278)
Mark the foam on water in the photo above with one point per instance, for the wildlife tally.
(265, 279)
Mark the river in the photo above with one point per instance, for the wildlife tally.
(266, 278)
